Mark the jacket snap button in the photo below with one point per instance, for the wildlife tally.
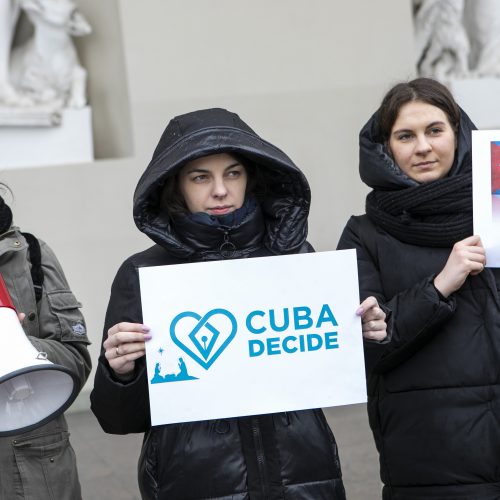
(31, 316)
(52, 460)
(222, 426)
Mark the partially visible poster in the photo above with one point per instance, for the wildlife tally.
(495, 168)
(486, 191)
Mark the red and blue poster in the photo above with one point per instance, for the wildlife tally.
(486, 191)
(495, 167)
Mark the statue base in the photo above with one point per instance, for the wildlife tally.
(37, 146)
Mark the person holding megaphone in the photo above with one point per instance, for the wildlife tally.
(43, 365)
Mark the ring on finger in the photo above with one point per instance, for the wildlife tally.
(117, 351)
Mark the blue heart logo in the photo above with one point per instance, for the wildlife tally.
(204, 337)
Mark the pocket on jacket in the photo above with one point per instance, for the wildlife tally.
(66, 309)
(307, 447)
(47, 467)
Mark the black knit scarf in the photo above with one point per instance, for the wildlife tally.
(5, 216)
(436, 214)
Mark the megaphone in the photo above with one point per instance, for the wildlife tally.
(33, 390)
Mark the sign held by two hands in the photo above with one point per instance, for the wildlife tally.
(252, 336)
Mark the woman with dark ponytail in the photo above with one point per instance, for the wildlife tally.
(434, 385)
(40, 463)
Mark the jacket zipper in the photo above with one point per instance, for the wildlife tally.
(261, 459)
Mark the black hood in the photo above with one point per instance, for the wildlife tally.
(200, 133)
(378, 170)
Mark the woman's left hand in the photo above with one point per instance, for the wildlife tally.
(372, 320)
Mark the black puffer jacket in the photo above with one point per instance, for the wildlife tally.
(289, 455)
(434, 389)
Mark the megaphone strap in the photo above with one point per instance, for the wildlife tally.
(35, 255)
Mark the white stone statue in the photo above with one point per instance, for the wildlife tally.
(482, 19)
(43, 75)
(9, 13)
(457, 38)
(442, 43)
(46, 67)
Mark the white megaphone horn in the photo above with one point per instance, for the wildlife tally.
(33, 390)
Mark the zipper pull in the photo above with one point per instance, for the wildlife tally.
(228, 248)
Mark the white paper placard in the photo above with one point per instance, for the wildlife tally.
(252, 336)
(486, 200)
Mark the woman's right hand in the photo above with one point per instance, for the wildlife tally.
(125, 344)
(467, 257)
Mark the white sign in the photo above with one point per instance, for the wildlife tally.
(486, 191)
(252, 336)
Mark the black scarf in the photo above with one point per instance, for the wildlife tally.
(5, 216)
(436, 214)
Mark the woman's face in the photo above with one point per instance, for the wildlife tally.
(422, 142)
(213, 184)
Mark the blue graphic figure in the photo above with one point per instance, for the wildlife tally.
(172, 377)
(157, 378)
(182, 370)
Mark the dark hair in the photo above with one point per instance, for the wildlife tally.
(5, 189)
(421, 89)
(5, 211)
(171, 199)
(173, 202)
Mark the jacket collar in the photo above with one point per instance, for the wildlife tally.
(202, 241)
(11, 241)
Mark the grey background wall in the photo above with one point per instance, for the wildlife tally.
(305, 75)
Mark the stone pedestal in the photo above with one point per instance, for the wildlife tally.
(69, 142)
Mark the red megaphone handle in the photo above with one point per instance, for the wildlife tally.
(5, 300)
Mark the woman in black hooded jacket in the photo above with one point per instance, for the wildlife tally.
(215, 190)
(434, 387)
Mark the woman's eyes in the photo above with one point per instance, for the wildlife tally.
(406, 136)
(231, 174)
(435, 130)
(200, 178)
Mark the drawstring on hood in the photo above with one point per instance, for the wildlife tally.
(279, 222)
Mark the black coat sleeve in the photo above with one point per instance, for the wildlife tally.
(122, 407)
(415, 312)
